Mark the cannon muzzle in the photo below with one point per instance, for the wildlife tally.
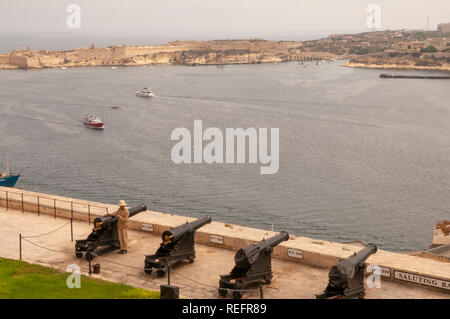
(246, 256)
(137, 209)
(178, 232)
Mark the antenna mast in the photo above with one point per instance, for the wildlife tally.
(373, 21)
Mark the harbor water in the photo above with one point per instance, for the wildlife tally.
(361, 158)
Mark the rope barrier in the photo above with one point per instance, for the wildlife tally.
(139, 268)
(116, 263)
(47, 248)
(173, 272)
(214, 287)
(128, 266)
(50, 232)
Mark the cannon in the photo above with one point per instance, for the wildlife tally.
(104, 236)
(253, 266)
(346, 278)
(177, 245)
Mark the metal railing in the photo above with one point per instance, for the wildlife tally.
(8, 199)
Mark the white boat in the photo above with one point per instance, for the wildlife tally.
(92, 121)
(145, 92)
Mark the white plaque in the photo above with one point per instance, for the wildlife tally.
(147, 227)
(295, 253)
(216, 239)
(422, 280)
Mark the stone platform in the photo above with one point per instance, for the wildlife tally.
(301, 264)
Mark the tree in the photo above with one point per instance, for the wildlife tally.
(429, 49)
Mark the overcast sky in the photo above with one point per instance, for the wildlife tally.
(220, 17)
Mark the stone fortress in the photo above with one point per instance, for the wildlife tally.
(444, 27)
(177, 52)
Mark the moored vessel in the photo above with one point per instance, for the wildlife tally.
(7, 179)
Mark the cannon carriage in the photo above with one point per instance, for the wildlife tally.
(253, 266)
(177, 245)
(346, 278)
(104, 236)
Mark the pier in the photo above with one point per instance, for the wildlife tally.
(422, 77)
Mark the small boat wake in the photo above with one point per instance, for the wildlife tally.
(40, 120)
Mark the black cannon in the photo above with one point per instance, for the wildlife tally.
(177, 244)
(104, 236)
(253, 266)
(346, 278)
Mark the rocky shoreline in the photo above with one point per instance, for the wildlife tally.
(401, 49)
(216, 52)
(397, 66)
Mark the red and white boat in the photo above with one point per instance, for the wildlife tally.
(93, 121)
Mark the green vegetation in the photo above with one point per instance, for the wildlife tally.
(429, 49)
(20, 280)
(359, 51)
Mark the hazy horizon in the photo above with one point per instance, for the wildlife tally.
(233, 18)
(43, 25)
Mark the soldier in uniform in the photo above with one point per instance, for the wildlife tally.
(122, 226)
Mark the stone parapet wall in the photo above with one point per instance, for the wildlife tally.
(318, 253)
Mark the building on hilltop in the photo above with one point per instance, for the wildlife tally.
(444, 27)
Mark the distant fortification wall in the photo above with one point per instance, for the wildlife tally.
(5, 59)
(148, 50)
(19, 61)
(444, 27)
(25, 61)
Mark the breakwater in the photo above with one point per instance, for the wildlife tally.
(422, 77)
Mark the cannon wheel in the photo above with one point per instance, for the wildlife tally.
(223, 292)
(161, 272)
(237, 294)
(190, 258)
(148, 270)
(79, 255)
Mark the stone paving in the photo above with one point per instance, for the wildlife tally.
(197, 280)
